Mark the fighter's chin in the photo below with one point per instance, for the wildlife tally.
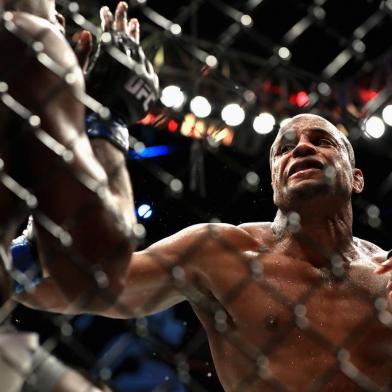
(308, 188)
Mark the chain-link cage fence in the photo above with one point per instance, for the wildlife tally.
(306, 315)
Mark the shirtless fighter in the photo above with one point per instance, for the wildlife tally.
(296, 304)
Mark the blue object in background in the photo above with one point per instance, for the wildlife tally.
(151, 152)
(144, 211)
(146, 370)
(25, 270)
(151, 375)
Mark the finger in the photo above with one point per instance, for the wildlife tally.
(83, 49)
(106, 19)
(120, 19)
(133, 30)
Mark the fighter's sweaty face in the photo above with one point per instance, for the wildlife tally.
(305, 150)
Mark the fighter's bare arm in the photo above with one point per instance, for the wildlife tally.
(177, 268)
(98, 220)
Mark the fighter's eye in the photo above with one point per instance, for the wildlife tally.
(322, 142)
(286, 148)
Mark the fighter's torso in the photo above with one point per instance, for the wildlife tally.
(291, 326)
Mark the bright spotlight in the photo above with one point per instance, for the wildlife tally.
(144, 211)
(387, 115)
(211, 61)
(284, 53)
(200, 107)
(233, 114)
(175, 29)
(172, 97)
(374, 127)
(264, 123)
(246, 20)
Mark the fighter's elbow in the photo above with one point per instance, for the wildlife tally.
(103, 289)
(104, 298)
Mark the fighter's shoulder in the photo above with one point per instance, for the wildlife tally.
(207, 234)
(368, 249)
(261, 231)
(225, 230)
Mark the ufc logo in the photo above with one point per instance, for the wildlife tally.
(139, 89)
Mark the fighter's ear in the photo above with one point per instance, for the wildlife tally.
(358, 180)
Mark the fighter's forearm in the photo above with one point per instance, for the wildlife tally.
(113, 162)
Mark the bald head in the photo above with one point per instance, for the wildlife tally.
(313, 120)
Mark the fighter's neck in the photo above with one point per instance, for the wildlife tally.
(316, 237)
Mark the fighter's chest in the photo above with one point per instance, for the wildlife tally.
(282, 296)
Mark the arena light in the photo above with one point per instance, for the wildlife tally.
(284, 53)
(172, 97)
(172, 125)
(387, 115)
(197, 128)
(175, 29)
(144, 211)
(374, 127)
(233, 114)
(367, 95)
(264, 123)
(302, 99)
(200, 107)
(246, 20)
(211, 61)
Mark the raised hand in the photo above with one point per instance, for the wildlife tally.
(120, 76)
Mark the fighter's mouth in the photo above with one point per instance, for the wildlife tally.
(305, 165)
